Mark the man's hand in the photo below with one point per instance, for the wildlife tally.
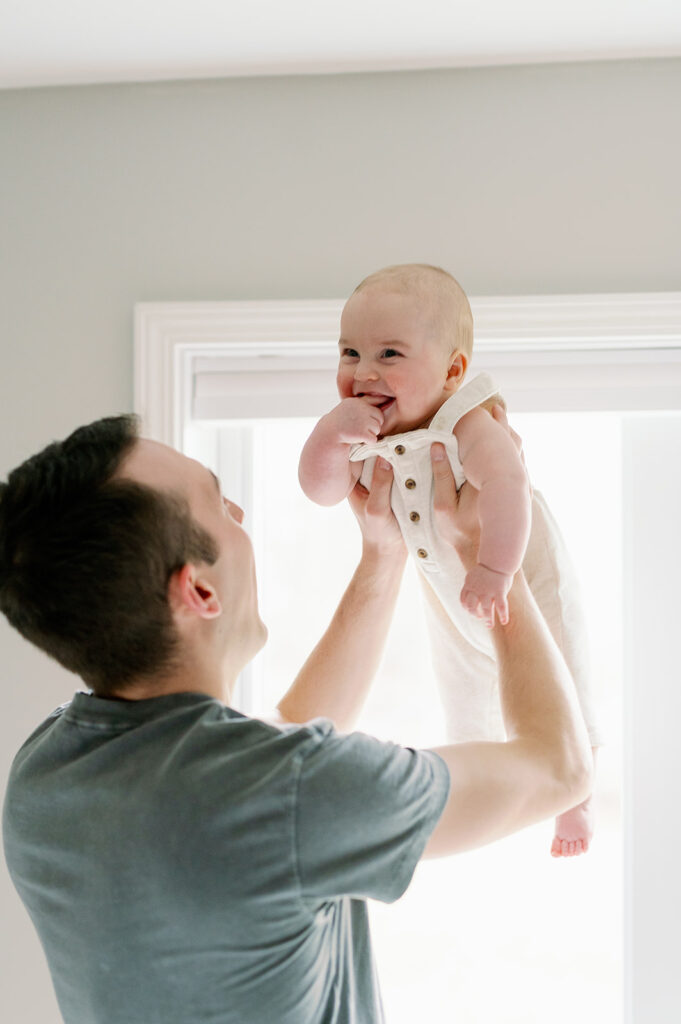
(379, 527)
(455, 512)
(355, 421)
(499, 414)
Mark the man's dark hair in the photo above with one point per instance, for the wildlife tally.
(85, 558)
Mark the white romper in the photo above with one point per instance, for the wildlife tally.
(461, 648)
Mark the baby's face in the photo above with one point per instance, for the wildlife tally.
(388, 348)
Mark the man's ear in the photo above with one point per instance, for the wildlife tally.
(456, 371)
(190, 592)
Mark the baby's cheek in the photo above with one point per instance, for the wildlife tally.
(343, 385)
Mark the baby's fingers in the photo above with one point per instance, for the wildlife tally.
(482, 606)
(470, 601)
(375, 424)
(487, 606)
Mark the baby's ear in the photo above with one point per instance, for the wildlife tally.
(457, 369)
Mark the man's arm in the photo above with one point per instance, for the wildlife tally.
(335, 679)
(545, 766)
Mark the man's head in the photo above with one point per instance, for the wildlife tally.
(92, 553)
(406, 333)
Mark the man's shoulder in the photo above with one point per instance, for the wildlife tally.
(316, 727)
(267, 739)
(34, 737)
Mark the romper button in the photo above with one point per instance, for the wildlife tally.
(421, 553)
(400, 449)
(410, 484)
(414, 516)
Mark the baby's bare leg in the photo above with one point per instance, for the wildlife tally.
(574, 828)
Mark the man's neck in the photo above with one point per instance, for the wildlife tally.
(185, 682)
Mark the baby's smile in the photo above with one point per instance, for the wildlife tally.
(380, 400)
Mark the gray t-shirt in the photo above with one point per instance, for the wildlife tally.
(184, 864)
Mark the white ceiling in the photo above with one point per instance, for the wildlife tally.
(52, 42)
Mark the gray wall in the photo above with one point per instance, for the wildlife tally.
(541, 179)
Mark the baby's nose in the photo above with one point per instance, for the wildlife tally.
(366, 371)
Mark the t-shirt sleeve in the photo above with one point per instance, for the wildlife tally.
(364, 812)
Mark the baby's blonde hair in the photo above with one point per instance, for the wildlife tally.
(446, 299)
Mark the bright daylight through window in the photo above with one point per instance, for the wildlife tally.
(504, 934)
(552, 929)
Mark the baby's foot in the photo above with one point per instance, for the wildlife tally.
(574, 830)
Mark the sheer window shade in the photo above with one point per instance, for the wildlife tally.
(243, 360)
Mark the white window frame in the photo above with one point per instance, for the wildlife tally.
(548, 353)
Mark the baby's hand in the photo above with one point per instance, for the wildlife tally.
(484, 592)
(355, 420)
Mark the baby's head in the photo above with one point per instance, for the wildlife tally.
(406, 334)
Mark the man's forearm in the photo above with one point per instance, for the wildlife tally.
(336, 677)
(544, 767)
(538, 698)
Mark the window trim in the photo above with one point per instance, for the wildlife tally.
(560, 352)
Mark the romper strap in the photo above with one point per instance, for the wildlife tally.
(469, 396)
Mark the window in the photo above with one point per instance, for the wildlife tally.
(235, 385)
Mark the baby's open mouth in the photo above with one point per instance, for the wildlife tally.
(381, 402)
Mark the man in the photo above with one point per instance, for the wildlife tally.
(183, 863)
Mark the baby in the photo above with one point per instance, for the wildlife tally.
(406, 341)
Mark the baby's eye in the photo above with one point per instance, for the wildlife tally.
(350, 353)
(390, 353)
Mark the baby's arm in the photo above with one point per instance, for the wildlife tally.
(325, 471)
(494, 467)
